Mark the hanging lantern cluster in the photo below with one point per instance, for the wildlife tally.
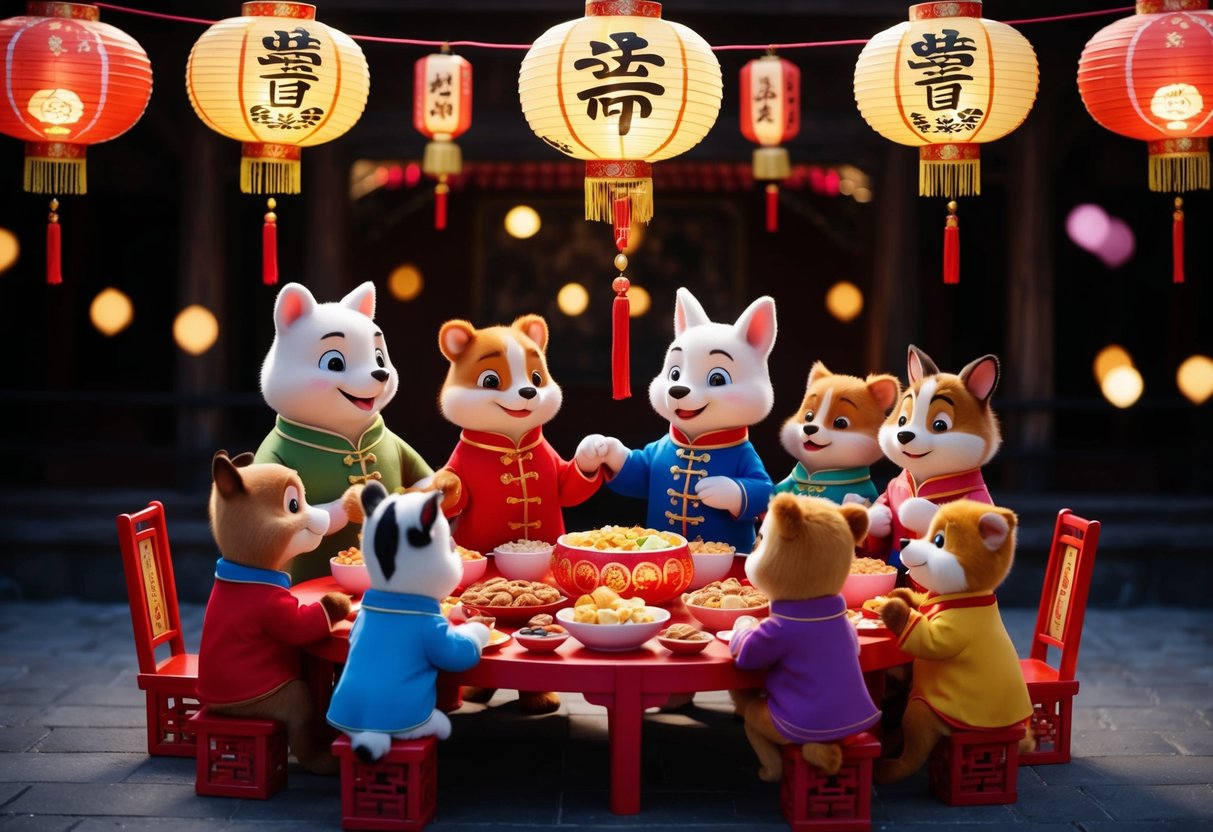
(276, 80)
(442, 112)
(945, 82)
(1150, 77)
(620, 88)
(69, 81)
(770, 116)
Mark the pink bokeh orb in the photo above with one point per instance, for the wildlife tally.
(1088, 226)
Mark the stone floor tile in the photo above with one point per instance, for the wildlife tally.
(17, 715)
(689, 808)
(21, 737)
(120, 695)
(1156, 802)
(39, 823)
(1157, 718)
(1129, 771)
(94, 716)
(292, 804)
(18, 694)
(8, 791)
(69, 768)
(119, 799)
(1069, 802)
(180, 771)
(65, 739)
(1196, 743)
(1186, 825)
(1119, 743)
(1113, 694)
(1195, 695)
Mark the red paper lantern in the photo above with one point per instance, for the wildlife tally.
(442, 112)
(770, 116)
(68, 81)
(1150, 77)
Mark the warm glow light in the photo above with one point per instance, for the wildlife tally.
(844, 301)
(862, 195)
(111, 311)
(639, 300)
(1109, 358)
(405, 282)
(1195, 378)
(10, 249)
(1122, 386)
(572, 299)
(522, 221)
(195, 329)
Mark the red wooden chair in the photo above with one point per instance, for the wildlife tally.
(152, 593)
(1063, 605)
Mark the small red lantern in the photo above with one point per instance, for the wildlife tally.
(68, 81)
(1150, 77)
(770, 116)
(442, 112)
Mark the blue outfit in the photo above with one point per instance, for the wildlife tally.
(834, 484)
(667, 471)
(397, 646)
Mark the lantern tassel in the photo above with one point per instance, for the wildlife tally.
(772, 208)
(951, 247)
(54, 273)
(621, 310)
(269, 245)
(1177, 242)
(440, 192)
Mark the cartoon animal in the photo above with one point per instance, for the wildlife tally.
(966, 670)
(941, 433)
(833, 436)
(400, 639)
(511, 483)
(249, 658)
(704, 478)
(815, 692)
(328, 376)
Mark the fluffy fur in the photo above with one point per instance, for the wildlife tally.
(966, 670)
(260, 518)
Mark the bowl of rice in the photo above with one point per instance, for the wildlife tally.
(523, 560)
(869, 577)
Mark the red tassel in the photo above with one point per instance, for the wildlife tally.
(269, 245)
(951, 247)
(1177, 242)
(440, 192)
(54, 259)
(772, 208)
(621, 361)
(623, 221)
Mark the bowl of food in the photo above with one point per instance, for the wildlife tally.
(524, 560)
(510, 602)
(645, 563)
(720, 603)
(712, 562)
(683, 639)
(349, 571)
(603, 620)
(869, 577)
(474, 565)
(541, 634)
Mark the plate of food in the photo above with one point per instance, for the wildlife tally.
(867, 623)
(511, 602)
(496, 639)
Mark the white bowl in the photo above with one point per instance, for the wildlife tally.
(614, 638)
(715, 619)
(709, 568)
(473, 570)
(859, 588)
(352, 577)
(524, 566)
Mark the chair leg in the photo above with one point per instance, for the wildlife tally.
(1051, 719)
(168, 734)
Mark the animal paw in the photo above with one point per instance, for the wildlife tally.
(916, 514)
(771, 774)
(475, 631)
(825, 757)
(449, 484)
(336, 605)
(538, 702)
(370, 745)
(351, 503)
(720, 492)
(591, 454)
(438, 726)
(880, 521)
(895, 614)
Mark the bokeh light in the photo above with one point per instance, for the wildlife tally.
(111, 311)
(844, 301)
(522, 221)
(572, 299)
(1122, 386)
(1195, 378)
(1108, 359)
(639, 300)
(1088, 226)
(195, 329)
(1118, 246)
(10, 249)
(405, 282)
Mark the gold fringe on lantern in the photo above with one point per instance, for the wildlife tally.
(600, 197)
(270, 176)
(961, 177)
(442, 158)
(1171, 172)
(56, 176)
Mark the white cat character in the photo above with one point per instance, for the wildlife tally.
(401, 640)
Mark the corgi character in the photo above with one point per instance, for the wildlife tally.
(940, 434)
(833, 436)
(400, 639)
(966, 671)
(253, 630)
(328, 377)
(704, 478)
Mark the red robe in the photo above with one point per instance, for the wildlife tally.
(513, 491)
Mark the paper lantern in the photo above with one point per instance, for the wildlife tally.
(68, 81)
(1150, 77)
(276, 80)
(442, 111)
(945, 82)
(620, 88)
(770, 116)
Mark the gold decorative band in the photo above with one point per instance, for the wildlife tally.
(1158, 6)
(55, 150)
(933, 11)
(74, 11)
(297, 11)
(949, 152)
(618, 169)
(281, 152)
(611, 8)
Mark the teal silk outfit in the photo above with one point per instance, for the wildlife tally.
(833, 484)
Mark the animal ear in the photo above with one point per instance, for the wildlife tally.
(227, 478)
(387, 538)
(884, 389)
(373, 493)
(454, 338)
(687, 312)
(535, 328)
(857, 519)
(787, 515)
(757, 325)
(293, 303)
(817, 372)
(993, 526)
(919, 365)
(423, 534)
(242, 460)
(980, 377)
(916, 514)
(362, 299)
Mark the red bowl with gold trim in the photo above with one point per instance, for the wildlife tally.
(656, 575)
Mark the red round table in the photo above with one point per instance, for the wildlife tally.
(624, 683)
